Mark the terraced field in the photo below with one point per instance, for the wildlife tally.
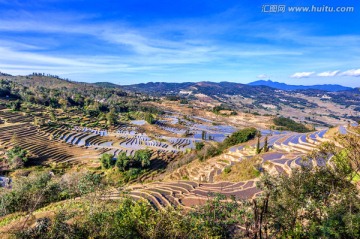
(286, 150)
(73, 143)
(29, 138)
(19, 128)
(184, 193)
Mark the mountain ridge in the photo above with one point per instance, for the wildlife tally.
(283, 86)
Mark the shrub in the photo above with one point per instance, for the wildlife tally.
(199, 145)
(290, 124)
(240, 136)
(16, 157)
(40, 189)
(107, 161)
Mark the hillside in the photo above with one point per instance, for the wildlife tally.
(127, 157)
(332, 107)
(283, 86)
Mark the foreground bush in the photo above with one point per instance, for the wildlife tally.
(129, 219)
(39, 189)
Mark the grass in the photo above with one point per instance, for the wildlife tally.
(241, 171)
(356, 179)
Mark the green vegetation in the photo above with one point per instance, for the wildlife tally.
(184, 101)
(289, 124)
(129, 219)
(40, 189)
(149, 118)
(318, 202)
(217, 109)
(107, 161)
(312, 203)
(238, 137)
(246, 169)
(266, 146)
(129, 167)
(16, 105)
(199, 145)
(16, 157)
(102, 107)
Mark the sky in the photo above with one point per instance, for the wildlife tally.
(136, 41)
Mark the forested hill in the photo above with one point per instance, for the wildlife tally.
(283, 86)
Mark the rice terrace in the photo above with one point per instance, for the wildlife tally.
(124, 121)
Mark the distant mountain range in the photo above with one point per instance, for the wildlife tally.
(283, 86)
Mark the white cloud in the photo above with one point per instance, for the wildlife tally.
(299, 75)
(353, 72)
(263, 76)
(328, 73)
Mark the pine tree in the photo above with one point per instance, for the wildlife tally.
(258, 149)
(266, 147)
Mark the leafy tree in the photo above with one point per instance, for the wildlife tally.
(16, 157)
(312, 203)
(149, 118)
(143, 156)
(123, 161)
(199, 145)
(111, 118)
(107, 161)
(290, 124)
(240, 136)
(344, 152)
(16, 105)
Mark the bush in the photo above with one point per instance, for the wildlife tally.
(312, 203)
(199, 145)
(227, 169)
(130, 219)
(141, 159)
(107, 161)
(240, 136)
(40, 189)
(289, 124)
(16, 157)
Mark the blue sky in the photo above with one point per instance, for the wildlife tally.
(135, 41)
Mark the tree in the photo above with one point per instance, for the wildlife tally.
(316, 202)
(16, 157)
(123, 161)
(199, 145)
(107, 161)
(149, 118)
(240, 136)
(344, 152)
(143, 156)
(52, 116)
(266, 147)
(203, 135)
(38, 121)
(311, 203)
(16, 105)
(258, 149)
(111, 118)
(63, 102)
